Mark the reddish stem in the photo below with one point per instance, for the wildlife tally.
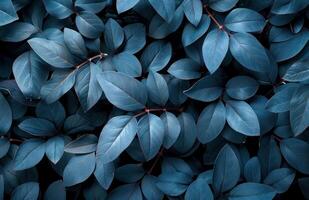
(220, 26)
(148, 110)
(15, 140)
(156, 161)
(100, 56)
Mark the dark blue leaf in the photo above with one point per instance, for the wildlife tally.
(226, 170)
(104, 173)
(222, 5)
(17, 31)
(214, 50)
(174, 183)
(55, 148)
(95, 191)
(199, 190)
(113, 34)
(171, 129)
(297, 72)
(193, 11)
(127, 63)
(192, 33)
(248, 191)
(5, 115)
(29, 154)
(130, 173)
(124, 5)
(211, 122)
(54, 112)
(150, 135)
(84, 144)
(28, 190)
(94, 6)
(288, 6)
(156, 56)
(38, 127)
(157, 88)
(78, 169)
(128, 94)
(4, 147)
(55, 190)
(149, 188)
(252, 170)
(89, 24)
(7, 12)
(164, 8)
(75, 42)
(304, 186)
(52, 52)
(135, 37)
(76, 123)
(241, 87)
(176, 89)
(128, 191)
(59, 8)
(116, 136)
(185, 69)
(244, 20)
(294, 152)
(280, 179)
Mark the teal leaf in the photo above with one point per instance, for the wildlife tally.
(171, 129)
(17, 31)
(52, 52)
(222, 5)
(199, 189)
(150, 134)
(128, 94)
(242, 118)
(54, 112)
(214, 49)
(28, 190)
(185, 69)
(211, 122)
(226, 170)
(93, 6)
(193, 11)
(113, 34)
(130, 173)
(29, 154)
(135, 37)
(78, 169)
(55, 149)
(297, 72)
(59, 8)
(149, 188)
(252, 170)
(247, 191)
(165, 9)
(127, 63)
(5, 115)
(241, 87)
(127, 191)
(157, 88)
(104, 173)
(5, 146)
(84, 144)
(38, 127)
(280, 179)
(75, 42)
(116, 136)
(55, 190)
(89, 24)
(7, 12)
(124, 5)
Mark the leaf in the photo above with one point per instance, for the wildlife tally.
(124, 5)
(246, 191)
(185, 69)
(150, 134)
(171, 129)
(38, 127)
(280, 179)
(242, 118)
(214, 49)
(52, 52)
(4, 147)
(149, 188)
(293, 46)
(241, 87)
(128, 94)
(104, 173)
(222, 5)
(252, 170)
(226, 170)
(84, 144)
(157, 88)
(55, 149)
(130, 173)
(93, 6)
(288, 7)
(193, 11)
(304, 184)
(89, 24)
(94, 191)
(176, 89)
(135, 36)
(29, 154)
(55, 190)
(127, 191)
(5, 115)
(211, 122)
(248, 51)
(298, 72)
(192, 33)
(54, 112)
(294, 152)
(75, 42)
(29, 73)
(165, 9)
(115, 137)
(113, 34)
(199, 189)
(299, 110)
(28, 190)
(59, 8)
(77, 123)
(207, 89)
(17, 31)
(87, 86)
(173, 183)
(7, 12)
(59, 84)
(78, 169)
(128, 64)
(156, 56)
(244, 20)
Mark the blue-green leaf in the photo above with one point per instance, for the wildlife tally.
(222, 5)
(297, 72)
(248, 191)
(135, 36)
(28, 190)
(280, 179)
(93, 6)
(164, 8)
(55, 148)
(193, 11)
(78, 169)
(17, 31)
(149, 188)
(127, 63)
(252, 170)
(124, 5)
(211, 122)
(38, 127)
(59, 8)
(185, 69)
(244, 20)
(130, 173)
(104, 173)
(75, 42)
(89, 24)
(241, 87)
(171, 129)
(128, 191)
(54, 112)
(84, 144)
(55, 190)
(226, 170)
(199, 190)
(242, 118)
(4, 147)
(116, 136)
(5, 115)
(157, 88)
(214, 49)
(113, 34)
(7, 12)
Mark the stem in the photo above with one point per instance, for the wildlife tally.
(100, 56)
(148, 110)
(15, 140)
(156, 161)
(220, 26)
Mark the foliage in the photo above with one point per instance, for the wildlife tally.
(154, 99)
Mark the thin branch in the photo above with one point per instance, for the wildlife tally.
(156, 161)
(220, 26)
(100, 56)
(148, 110)
(15, 140)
